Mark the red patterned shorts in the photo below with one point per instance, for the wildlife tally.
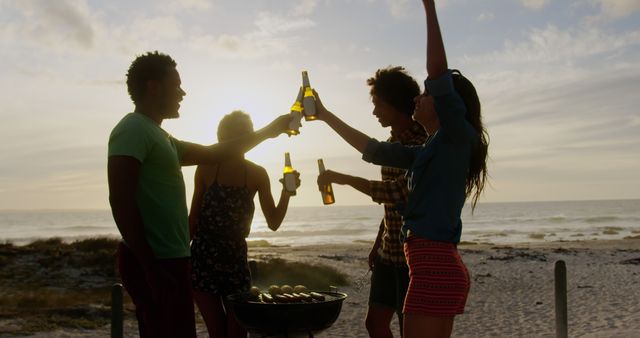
(439, 280)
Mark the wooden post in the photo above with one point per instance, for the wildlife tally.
(116, 311)
(253, 269)
(561, 299)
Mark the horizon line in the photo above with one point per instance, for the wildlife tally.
(341, 206)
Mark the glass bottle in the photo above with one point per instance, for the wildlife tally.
(308, 100)
(326, 190)
(289, 176)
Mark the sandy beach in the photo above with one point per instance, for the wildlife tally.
(512, 293)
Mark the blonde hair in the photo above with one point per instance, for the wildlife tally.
(233, 125)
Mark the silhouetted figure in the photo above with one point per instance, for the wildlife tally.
(147, 196)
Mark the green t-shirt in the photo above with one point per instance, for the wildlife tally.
(160, 194)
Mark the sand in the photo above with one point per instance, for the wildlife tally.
(512, 292)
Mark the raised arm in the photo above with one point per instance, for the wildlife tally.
(216, 153)
(436, 56)
(354, 137)
(274, 215)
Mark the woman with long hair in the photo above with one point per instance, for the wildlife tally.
(442, 174)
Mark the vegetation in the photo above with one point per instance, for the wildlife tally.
(315, 277)
(50, 284)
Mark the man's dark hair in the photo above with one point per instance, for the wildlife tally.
(152, 66)
(394, 86)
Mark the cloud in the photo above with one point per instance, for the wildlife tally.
(55, 24)
(561, 101)
(249, 46)
(551, 44)
(270, 24)
(617, 8)
(486, 16)
(192, 5)
(535, 4)
(304, 8)
(155, 28)
(268, 38)
(398, 8)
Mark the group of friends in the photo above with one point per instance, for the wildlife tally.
(433, 161)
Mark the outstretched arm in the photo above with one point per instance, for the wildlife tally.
(353, 136)
(436, 56)
(381, 153)
(216, 153)
(358, 183)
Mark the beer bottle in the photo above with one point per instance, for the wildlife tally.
(296, 115)
(326, 190)
(308, 100)
(289, 176)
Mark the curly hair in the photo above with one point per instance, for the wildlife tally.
(396, 87)
(234, 124)
(146, 67)
(477, 175)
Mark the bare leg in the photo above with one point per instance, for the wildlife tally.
(235, 329)
(416, 325)
(378, 320)
(212, 311)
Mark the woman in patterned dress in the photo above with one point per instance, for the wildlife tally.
(220, 219)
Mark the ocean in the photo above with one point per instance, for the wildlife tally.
(497, 223)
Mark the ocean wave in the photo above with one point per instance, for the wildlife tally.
(602, 219)
(312, 233)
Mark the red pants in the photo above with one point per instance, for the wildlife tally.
(174, 317)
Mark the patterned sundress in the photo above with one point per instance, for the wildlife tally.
(219, 248)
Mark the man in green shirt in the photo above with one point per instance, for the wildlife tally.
(147, 196)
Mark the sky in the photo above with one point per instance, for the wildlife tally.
(559, 83)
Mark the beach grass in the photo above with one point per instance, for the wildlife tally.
(50, 284)
(276, 271)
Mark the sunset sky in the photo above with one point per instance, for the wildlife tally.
(559, 82)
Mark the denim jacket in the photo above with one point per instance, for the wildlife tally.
(436, 170)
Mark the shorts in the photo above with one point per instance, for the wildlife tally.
(439, 281)
(388, 285)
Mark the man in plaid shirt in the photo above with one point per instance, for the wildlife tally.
(392, 93)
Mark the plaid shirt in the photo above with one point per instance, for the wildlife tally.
(393, 189)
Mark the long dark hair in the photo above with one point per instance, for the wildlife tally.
(477, 175)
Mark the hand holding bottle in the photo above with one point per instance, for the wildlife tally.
(296, 175)
(296, 115)
(321, 112)
(327, 177)
(326, 190)
(290, 177)
(278, 126)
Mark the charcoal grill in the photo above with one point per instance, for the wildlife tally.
(284, 319)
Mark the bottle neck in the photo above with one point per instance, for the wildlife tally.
(305, 80)
(287, 160)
